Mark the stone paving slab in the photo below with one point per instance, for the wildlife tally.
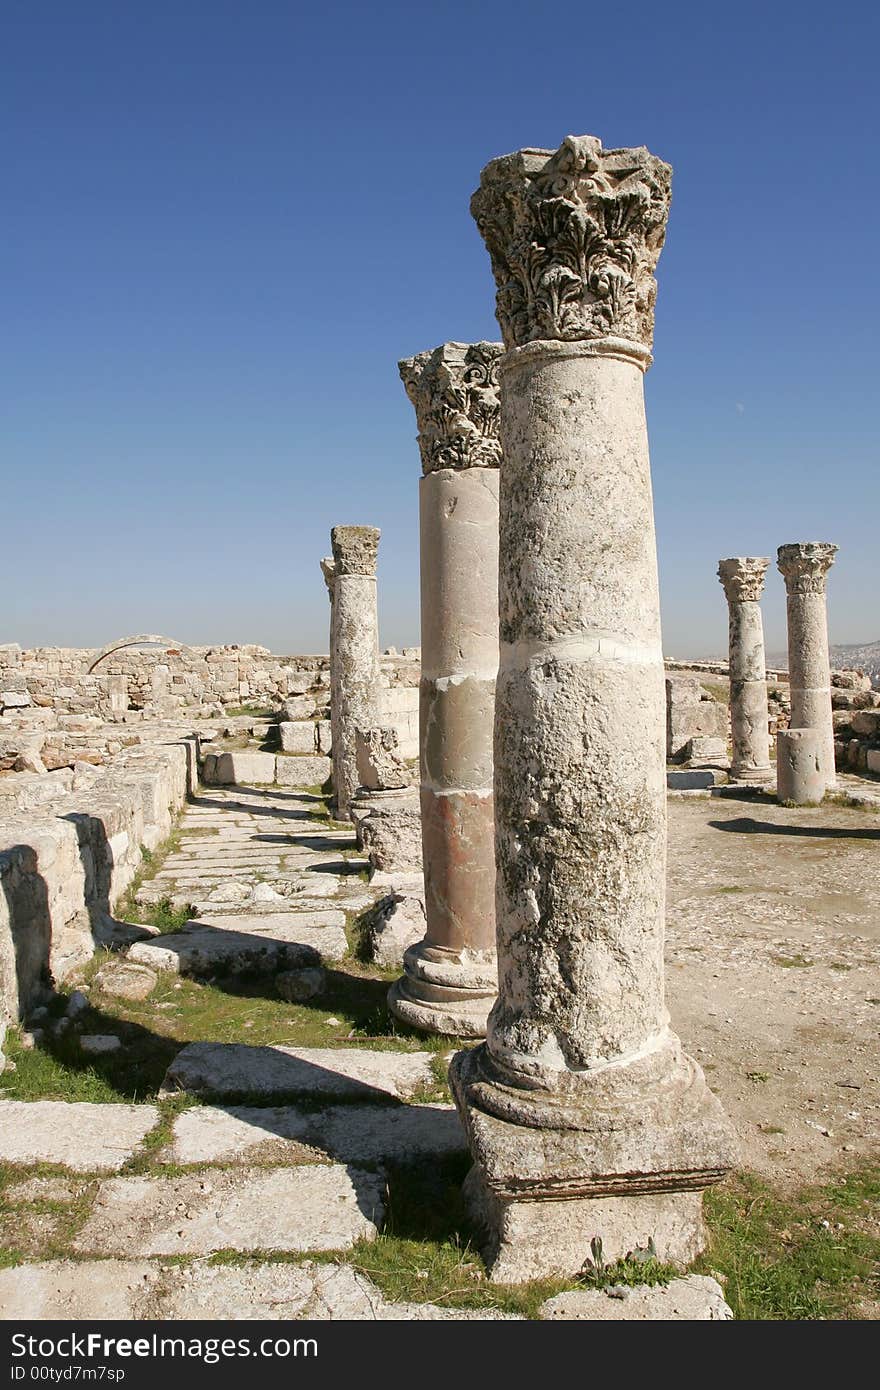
(78, 1135)
(120, 1290)
(201, 948)
(312, 1207)
(218, 1070)
(115, 1290)
(350, 1133)
(694, 1298)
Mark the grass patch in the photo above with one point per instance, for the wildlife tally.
(797, 962)
(253, 711)
(813, 1255)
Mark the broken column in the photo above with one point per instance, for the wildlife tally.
(742, 578)
(800, 780)
(586, 1120)
(449, 979)
(804, 567)
(354, 653)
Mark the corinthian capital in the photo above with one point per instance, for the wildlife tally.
(454, 390)
(742, 577)
(574, 239)
(805, 566)
(354, 549)
(328, 569)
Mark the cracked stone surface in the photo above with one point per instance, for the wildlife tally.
(314, 1207)
(695, 1298)
(250, 1291)
(235, 1069)
(352, 1133)
(74, 1134)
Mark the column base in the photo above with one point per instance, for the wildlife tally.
(632, 1172)
(443, 992)
(752, 776)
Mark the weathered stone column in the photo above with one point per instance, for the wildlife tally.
(804, 567)
(450, 978)
(800, 780)
(585, 1119)
(354, 652)
(742, 578)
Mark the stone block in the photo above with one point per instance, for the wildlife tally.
(695, 1298)
(298, 736)
(867, 723)
(695, 779)
(221, 1070)
(320, 1207)
(304, 771)
(325, 736)
(397, 923)
(705, 748)
(78, 1135)
(298, 707)
(244, 767)
(873, 759)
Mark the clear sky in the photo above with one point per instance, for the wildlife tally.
(223, 221)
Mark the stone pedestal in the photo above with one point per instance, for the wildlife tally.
(742, 578)
(584, 1117)
(449, 979)
(804, 567)
(800, 780)
(354, 653)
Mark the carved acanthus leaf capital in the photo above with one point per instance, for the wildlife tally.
(355, 549)
(454, 391)
(328, 569)
(742, 577)
(804, 566)
(574, 239)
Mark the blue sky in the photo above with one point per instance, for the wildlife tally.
(223, 223)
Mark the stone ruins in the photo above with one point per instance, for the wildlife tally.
(477, 827)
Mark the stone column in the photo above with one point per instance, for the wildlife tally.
(799, 777)
(449, 981)
(804, 567)
(354, 653)
(586, 1120)
(742, 578)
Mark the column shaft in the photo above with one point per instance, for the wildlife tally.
(449, 982)
(743, 580)
(804, 567)
(354, 656)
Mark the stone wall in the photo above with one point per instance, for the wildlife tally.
(163, 681)
(70, 845)
(856, 718)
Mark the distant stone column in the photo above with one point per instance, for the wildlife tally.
(450, 978)
(742, 578)
(586, 1120)
(354, 653)
(804, 567)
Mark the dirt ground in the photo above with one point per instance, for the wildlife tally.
(773, 949)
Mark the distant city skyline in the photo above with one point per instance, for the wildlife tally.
(223, 225)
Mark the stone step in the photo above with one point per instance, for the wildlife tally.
(78, 1135)
(349, 1133)
(131, 1290)
(201, 948)
(311, 1207)
(231, 1070)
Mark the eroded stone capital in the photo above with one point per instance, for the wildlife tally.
(354, 549)
(454, 391)
(328, 569)
(742, 577)
(574, 238)
(804, 566)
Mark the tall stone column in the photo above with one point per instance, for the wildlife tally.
(742, 578)
(586, 1121)
(449, 981)
(354, 652)
(804, 567)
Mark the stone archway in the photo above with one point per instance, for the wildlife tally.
(143, 639)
